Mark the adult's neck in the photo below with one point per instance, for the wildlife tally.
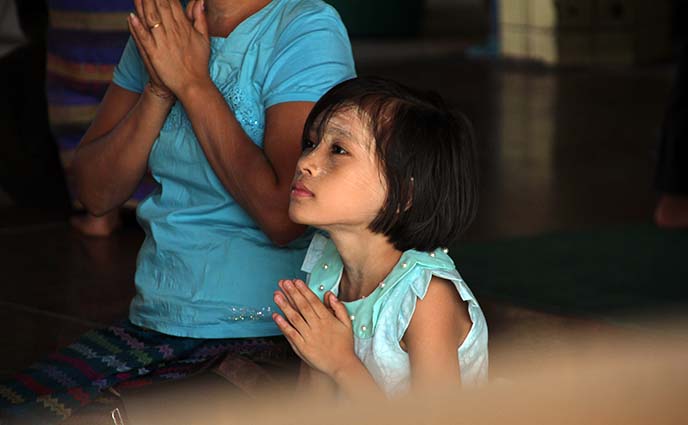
(224, 15)
(368, 258)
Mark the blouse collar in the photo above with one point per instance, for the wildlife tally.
(326, 274)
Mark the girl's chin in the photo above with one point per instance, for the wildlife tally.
(297, 217)
(305, 220)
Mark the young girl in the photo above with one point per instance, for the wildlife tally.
(390, 175)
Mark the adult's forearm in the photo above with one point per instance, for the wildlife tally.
(243, 168)
(109, 167)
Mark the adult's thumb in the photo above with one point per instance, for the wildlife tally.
(199, 22)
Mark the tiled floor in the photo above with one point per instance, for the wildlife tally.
(560, 149)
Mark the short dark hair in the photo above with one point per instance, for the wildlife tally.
(427, 155)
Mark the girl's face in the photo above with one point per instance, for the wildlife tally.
(338, 181)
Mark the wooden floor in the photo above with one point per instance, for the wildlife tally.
(560, 150)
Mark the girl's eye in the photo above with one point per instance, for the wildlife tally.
(336, 149)
(306, 145)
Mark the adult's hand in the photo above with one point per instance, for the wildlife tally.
(175, 43)
(156, 86)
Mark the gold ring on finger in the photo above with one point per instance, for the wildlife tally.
(155, 26)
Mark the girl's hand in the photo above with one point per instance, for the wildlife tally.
(320, 336)
(175, 43)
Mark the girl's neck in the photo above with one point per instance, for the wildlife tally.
(367, 257)
(225, 15)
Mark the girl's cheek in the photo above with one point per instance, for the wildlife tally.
(369, 189)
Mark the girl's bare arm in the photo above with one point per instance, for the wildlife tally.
(439, 325)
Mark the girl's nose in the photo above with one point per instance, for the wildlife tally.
(307, 163)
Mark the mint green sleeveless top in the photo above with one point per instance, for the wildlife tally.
(381, 319)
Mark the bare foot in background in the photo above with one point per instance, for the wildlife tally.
(672, 212)
(102, 226)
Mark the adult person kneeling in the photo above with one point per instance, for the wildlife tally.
(213, 99)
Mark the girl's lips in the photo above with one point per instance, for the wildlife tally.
(300, 190)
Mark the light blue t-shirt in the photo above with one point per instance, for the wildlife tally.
(205, 269)
(381, 319)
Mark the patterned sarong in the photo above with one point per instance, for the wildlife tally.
(121, 357)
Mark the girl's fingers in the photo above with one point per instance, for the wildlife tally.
(326, 302)
(286, 293)
(292, 315)
(293, 336)
(301, 302)
(339, 309)
(316, 305)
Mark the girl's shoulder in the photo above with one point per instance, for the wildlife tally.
(408, 281)
(412, 281)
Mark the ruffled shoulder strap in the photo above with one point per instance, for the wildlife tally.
(418, 288)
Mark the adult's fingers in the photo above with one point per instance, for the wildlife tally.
(141, 35)
(152, 73)
(139, 45)
(165, 9)
(150, 13)
(177, 11)
(199, 21)
(138, 7)
(189, 9)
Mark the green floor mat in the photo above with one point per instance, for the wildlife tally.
(608, 271)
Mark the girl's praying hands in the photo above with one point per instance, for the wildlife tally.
(320, 333)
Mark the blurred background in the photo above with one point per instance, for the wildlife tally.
(568, 99)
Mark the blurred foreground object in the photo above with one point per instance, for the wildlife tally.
(625, 376)
(586, 32)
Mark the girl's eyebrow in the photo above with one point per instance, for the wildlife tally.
(335, 130)
(338, 131)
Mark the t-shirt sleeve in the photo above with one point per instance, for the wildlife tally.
(312, 54)
(130, 73)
